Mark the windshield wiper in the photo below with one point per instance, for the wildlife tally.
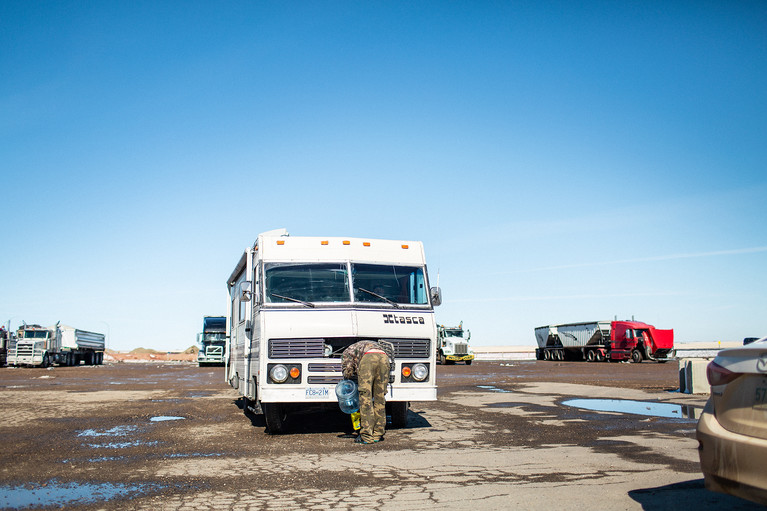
(395, 304)
(308, 304)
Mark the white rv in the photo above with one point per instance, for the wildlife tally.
(297, 302)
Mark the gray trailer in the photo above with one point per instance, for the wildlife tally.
(573, 341)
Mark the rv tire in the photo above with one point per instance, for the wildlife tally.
(275, 417)
(398, 412)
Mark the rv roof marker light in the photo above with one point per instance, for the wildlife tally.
(405, 246)
(365, 243)
(347, 242)
(280, 242)
(323, 242)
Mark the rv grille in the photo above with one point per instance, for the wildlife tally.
(324, 368)
(411, 348)
(296, 348)
(324, 380)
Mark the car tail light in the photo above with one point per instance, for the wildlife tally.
(718, 375)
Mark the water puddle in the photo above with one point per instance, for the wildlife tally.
(194, 455)
(115, 431)
(493, 388)
(121, 445)
(60, 495)
(163, 418)
(646, 408)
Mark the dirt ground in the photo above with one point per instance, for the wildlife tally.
(171, 435)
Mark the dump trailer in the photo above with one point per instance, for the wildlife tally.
(453, 345)
(212, 341)
(5, 340)
(36, 345)
(604, 340)
(296, 303)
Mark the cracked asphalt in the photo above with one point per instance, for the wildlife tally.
(174, 436)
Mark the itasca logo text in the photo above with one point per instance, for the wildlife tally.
(406, 320)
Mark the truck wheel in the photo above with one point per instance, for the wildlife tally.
(468, 362)
(398, 412)
(275, 416)
(46, 361)
(599, 356)
(590, 356)
(546, 355)
(636, 356)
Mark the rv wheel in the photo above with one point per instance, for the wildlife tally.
(398, 412)
(275, 417)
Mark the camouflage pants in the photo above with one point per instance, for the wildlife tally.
(372, 377)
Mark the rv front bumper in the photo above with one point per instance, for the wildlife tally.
(327, 394)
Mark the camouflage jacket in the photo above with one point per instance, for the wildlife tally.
(350, 359)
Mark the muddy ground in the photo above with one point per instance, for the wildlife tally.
(174, 436)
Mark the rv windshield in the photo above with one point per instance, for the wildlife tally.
(309, 283)
(380, 283)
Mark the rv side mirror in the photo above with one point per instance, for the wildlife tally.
(436, 296)
(245, 291)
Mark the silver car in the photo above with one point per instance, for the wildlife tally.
(732, 431)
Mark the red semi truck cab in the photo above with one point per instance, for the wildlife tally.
(637, 341)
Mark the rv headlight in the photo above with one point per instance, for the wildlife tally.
(420, 372)
(279, 373)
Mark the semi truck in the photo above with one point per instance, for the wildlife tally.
(604, 340)
(5, 340)
(453, 345)
(295, 305)
(212, 341)
(63, 345)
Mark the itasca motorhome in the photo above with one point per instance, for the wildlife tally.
(297, 302)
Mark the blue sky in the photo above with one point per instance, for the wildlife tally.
(560, 161)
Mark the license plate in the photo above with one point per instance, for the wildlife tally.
(317, 393)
